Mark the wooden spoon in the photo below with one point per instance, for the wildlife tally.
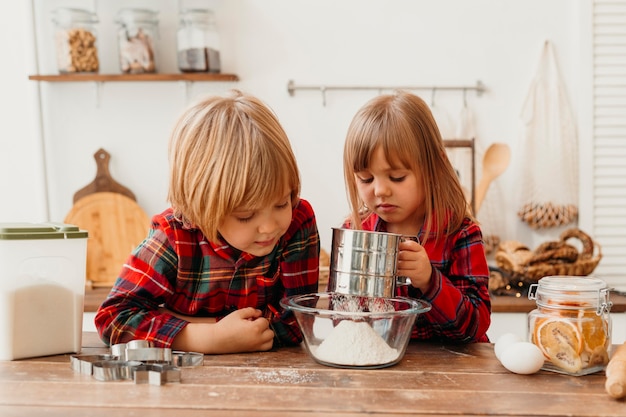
(495, 162)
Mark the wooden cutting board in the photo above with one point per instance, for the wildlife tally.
(115, 222)
(103, 180)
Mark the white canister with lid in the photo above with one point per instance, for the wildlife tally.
(136, 34)
(75, 38)
(571, 324)
(42, 289)
(198, 42)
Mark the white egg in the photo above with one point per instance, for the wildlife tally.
(522, 358)
(505, 340)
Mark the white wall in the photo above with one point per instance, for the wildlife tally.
(22, 193)
(267, 43)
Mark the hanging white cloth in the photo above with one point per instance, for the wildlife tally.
(461, 158)
(445, 122)
(466, 129)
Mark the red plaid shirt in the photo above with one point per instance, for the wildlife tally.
(459, 286)
(177, 268)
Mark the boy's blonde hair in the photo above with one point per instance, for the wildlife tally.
(404, 127)
(228, 153)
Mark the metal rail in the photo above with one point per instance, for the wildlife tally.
(479, 88)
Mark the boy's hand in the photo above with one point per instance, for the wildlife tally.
(245, 330)
(242, 330)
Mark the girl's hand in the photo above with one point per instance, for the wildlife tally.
(413, 263)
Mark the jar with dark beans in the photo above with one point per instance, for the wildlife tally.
(198, 42)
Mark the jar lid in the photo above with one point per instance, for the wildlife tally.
(68, 15)
(571, 283)
(197, 16)
(569, 292)
(34, 231)
(128, 15)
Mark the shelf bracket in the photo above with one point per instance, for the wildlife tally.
(99, 87)
(188, 87)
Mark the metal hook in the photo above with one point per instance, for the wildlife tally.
(323, 90)
(432, 97)
(465, 97)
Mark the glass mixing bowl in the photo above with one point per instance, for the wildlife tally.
(349, 331)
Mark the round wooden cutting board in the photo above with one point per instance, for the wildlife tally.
(116, 225)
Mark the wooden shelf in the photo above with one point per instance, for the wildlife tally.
(82, 77)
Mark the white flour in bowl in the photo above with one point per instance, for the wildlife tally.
(355, 343)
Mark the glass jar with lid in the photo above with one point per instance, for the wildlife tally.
(198, 42)
(136, 33)
(75, 38)
(571, 324)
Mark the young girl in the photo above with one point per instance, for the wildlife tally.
(210, 274)
(399, 180)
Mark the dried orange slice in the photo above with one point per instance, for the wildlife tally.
(534, 337)
(561, 343)
(593, 330)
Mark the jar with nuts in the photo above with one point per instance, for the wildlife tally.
(137, 30)
(75, 37)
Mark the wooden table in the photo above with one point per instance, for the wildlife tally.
(431, 380)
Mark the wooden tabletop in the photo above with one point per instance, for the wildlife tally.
(431, 380)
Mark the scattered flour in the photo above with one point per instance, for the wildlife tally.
(282, 376)
(355, 343)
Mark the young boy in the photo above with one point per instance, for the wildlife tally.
(210, 274)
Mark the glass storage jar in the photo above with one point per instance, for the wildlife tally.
(198, 42)
(75, 38)
(136, 34)
(571, 324)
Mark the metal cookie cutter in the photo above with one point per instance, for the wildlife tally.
(84, 363)
(141, 350)
(156, 374)
(114, 370)
(187, 359)
(137, 360)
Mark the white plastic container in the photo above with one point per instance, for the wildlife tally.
(42, 289)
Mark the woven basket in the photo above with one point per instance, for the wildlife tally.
(518, 261)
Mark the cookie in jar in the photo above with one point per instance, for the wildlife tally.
(571, 324)
(75, 39)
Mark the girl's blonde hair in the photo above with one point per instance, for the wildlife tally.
(404, 127)
(228, 153)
